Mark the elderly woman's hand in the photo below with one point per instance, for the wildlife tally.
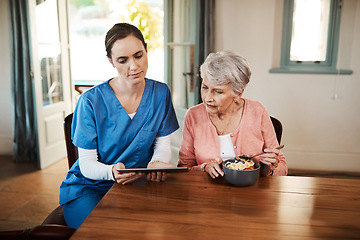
(158, 176)
(213, 168)
(124, 178)
(270, 159)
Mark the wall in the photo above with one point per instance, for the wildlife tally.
(6, 116)
(320, 131)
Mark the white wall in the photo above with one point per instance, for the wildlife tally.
(320, 132)
(6, 112)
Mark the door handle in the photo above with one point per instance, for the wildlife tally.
(192, 64)
(188, 74)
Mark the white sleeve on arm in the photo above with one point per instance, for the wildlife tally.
(162, 149)
(91, 168)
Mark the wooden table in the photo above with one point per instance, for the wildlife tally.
(193, 206)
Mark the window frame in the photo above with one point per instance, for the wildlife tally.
(323, 67)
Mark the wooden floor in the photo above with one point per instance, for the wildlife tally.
(28, 195)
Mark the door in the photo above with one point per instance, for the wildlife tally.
(51, 74)
(181, 69)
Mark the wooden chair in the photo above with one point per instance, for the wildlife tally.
(54, 226)
(72, 150)
(278, 128)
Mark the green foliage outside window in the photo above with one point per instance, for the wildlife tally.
(148, 21)
(82, 3)
(137, 12)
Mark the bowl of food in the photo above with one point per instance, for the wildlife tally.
(241, 172)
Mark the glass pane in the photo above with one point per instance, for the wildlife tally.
(180, 74)
(181, 55)
(49, 50)
(88, 23)
(310, 30)
(51, 73)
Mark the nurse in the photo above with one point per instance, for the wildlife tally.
(124, 122)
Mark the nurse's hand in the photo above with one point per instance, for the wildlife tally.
(158, 176)
(124, 178)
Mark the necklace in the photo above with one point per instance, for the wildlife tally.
(221, 131)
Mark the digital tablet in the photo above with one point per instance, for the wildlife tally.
(149, 170)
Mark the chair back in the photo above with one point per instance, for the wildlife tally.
(278, 128)
(71, 149)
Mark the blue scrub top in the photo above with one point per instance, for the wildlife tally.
(100, 122)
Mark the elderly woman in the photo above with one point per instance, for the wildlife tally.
(225, 124)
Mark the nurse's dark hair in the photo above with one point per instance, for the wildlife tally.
(120, 31)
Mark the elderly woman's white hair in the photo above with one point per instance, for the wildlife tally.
(227, 67)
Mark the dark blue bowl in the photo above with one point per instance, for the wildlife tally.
(241, 178)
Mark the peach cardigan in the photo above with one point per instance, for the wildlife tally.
(200, 142)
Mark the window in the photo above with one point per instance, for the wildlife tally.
(310, 37)
(89, 20)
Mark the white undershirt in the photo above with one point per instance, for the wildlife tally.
(226, 147)
(131, 115)
(91, 168)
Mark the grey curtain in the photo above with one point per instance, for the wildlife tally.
(25, 134)
(206, 34)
